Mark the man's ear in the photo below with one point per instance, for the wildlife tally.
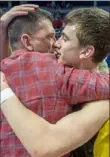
(26, 42)
(87, 52)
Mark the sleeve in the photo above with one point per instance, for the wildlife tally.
(81, 86)
(4, 48)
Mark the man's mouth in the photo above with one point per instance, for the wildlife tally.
(57, 54)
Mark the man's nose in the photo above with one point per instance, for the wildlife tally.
(56, 45)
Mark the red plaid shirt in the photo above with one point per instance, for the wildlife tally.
(46, 88)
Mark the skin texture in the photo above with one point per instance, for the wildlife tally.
(63, 135)
(44, 39)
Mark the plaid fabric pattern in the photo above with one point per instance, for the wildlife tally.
(46, 88)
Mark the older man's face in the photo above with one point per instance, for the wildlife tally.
(44, 39)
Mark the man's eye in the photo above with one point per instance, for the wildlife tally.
(50, 37)
(64, 38)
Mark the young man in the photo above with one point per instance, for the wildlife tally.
(76, 47)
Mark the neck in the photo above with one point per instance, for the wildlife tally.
(89, 65)
(95, 69)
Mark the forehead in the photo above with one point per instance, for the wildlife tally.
(70, 31)
(46, 26)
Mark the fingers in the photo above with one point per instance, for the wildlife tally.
(25, 7)
(19, 13)
(30, 5)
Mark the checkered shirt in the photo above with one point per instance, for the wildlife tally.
(48, 89)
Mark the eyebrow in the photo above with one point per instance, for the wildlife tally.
(63, 33)
(51, 34)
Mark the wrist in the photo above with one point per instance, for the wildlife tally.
(3, 24)
(6, 94)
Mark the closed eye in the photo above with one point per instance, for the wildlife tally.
(64, 36)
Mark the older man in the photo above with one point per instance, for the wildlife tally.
(84, 52)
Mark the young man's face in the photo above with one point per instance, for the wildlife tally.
(44, 39)
(70, 49)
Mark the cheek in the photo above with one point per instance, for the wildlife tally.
(40, 47)
(36, 43)
(36, 46)
(64, 48)
(47, 44)
(48, 47)
(67, 52)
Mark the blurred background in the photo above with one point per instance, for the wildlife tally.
(59, 9)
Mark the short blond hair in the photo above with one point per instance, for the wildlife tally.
(92, 28)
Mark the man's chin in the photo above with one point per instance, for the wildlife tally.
(61, 61)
